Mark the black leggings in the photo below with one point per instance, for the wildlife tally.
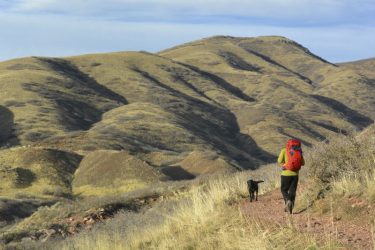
(289, 187)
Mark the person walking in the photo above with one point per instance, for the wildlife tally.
(291, 159)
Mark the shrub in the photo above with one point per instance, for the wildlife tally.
(341, 156)
(342, 166)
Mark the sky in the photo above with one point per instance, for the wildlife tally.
(337, 30)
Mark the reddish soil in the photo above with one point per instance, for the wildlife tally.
(352, 234)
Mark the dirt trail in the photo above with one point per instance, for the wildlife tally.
(270, 209)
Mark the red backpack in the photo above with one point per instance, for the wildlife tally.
(294, 155)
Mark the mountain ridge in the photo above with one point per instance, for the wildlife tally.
(237, 99)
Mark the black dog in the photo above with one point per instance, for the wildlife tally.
(253, 189)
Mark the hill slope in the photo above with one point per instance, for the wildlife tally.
(297, 93)
(364, 67)
(236, 99)
(334, 210)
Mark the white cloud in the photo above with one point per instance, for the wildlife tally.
(307, 11)
(49, 35)
(337, 30)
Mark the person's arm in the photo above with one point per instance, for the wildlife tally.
(281, 159)
(303, 161)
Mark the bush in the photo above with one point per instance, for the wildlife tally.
(341, 156)
(56, 191)
(342, 167)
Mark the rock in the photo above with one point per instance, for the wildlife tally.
(33, 237)
(26, 239)
(71, 230)
(45, 238)
(89, 221)
(46, 234)
(50, 231)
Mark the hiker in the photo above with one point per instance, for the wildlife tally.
(291, 160)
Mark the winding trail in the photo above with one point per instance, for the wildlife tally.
(352, 234)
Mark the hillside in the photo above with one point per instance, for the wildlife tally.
(297, 93)
(84, 137)
(364, 67)
(334, 210)
(235, 99)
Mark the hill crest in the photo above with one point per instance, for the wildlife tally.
(238, 99)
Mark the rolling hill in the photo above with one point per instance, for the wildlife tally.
(214, 105)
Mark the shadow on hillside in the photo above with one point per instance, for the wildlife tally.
(269, 60)
(238, 63)
(74, 114)
(71, 71)
(25, 177)
(352, 116)
(7, 136)
(331, 128)
(248, 145)
(213, 124)
(248, 46)
(13, 210)
(177, 173)
(221, 82)
(77, 115)
(282, 131)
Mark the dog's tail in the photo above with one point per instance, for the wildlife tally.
(259, 181)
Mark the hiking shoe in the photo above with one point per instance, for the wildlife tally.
(289, 207)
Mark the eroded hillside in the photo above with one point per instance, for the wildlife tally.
(227, 103)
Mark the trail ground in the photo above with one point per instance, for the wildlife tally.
(352, 234)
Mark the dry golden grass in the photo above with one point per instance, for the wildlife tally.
(365, 67)
(36, 172)
(57, 213)
(203, 217)
(205, 162)
(356, 185)
(107, 172)
(205, 213)
(340, 169)
(230, 102)
(343, 155)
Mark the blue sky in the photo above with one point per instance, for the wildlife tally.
(337, 30)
